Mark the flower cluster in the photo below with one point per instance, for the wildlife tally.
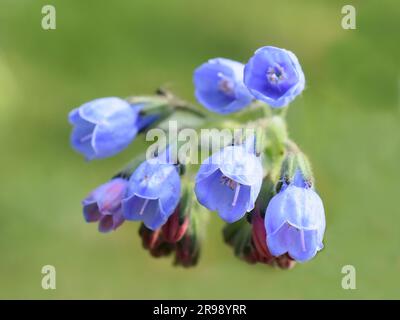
(260, 184)
(272, 75)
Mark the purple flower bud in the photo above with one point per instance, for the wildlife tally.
(103, 205)
(219, 86)
(103, 127)
(229, 182)
(274, 75)
(295, 222)
(153, 193)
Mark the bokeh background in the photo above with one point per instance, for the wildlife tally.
(347, 121)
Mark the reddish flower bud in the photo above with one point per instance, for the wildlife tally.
(162, 248)
(175, 227)
(149, 237)
(187, 251)
(251, 257)
(154, 242)
(285, 262)
(259, 237)
(259, 242)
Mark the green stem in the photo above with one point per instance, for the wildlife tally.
(191, 109)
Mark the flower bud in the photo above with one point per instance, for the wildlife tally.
(238, 236)
(177, 224)
(188, 248)
(187, 251)
(251, 257)
(248, 239)
(261, 251)
(154, 242)
(259, 237)
(285, 262)
(175, 227)
(162, 249)
(149, 237)
(103, 205)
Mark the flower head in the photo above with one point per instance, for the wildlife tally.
(295, 221)
(229, 182)
(274, 75)
(153, 193)
(103, 205)
(103, 127)
(219, 86)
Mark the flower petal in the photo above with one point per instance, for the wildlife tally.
(216, 196)
(302, 245)
(91, 212)
(81, 139)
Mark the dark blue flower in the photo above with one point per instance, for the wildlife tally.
(153, 193)
(274, 75)
(295, 221)
(229, 182)
(103, 127)
(219, 86)
(103, 205)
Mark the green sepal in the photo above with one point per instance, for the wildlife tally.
(186, 202)
(295, 160)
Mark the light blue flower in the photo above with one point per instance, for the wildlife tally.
(153, 193)
(274, 75)
(295, 222)
(229, 182)
(103, 205)
(219, 86)
(103, 127)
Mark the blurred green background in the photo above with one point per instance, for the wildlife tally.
(347, 121)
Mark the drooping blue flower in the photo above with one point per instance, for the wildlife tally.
(274, 75)
(219, 86)
(103, 127)
(295, 221)
(153, 193)
(103, 205)
(229, 182)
